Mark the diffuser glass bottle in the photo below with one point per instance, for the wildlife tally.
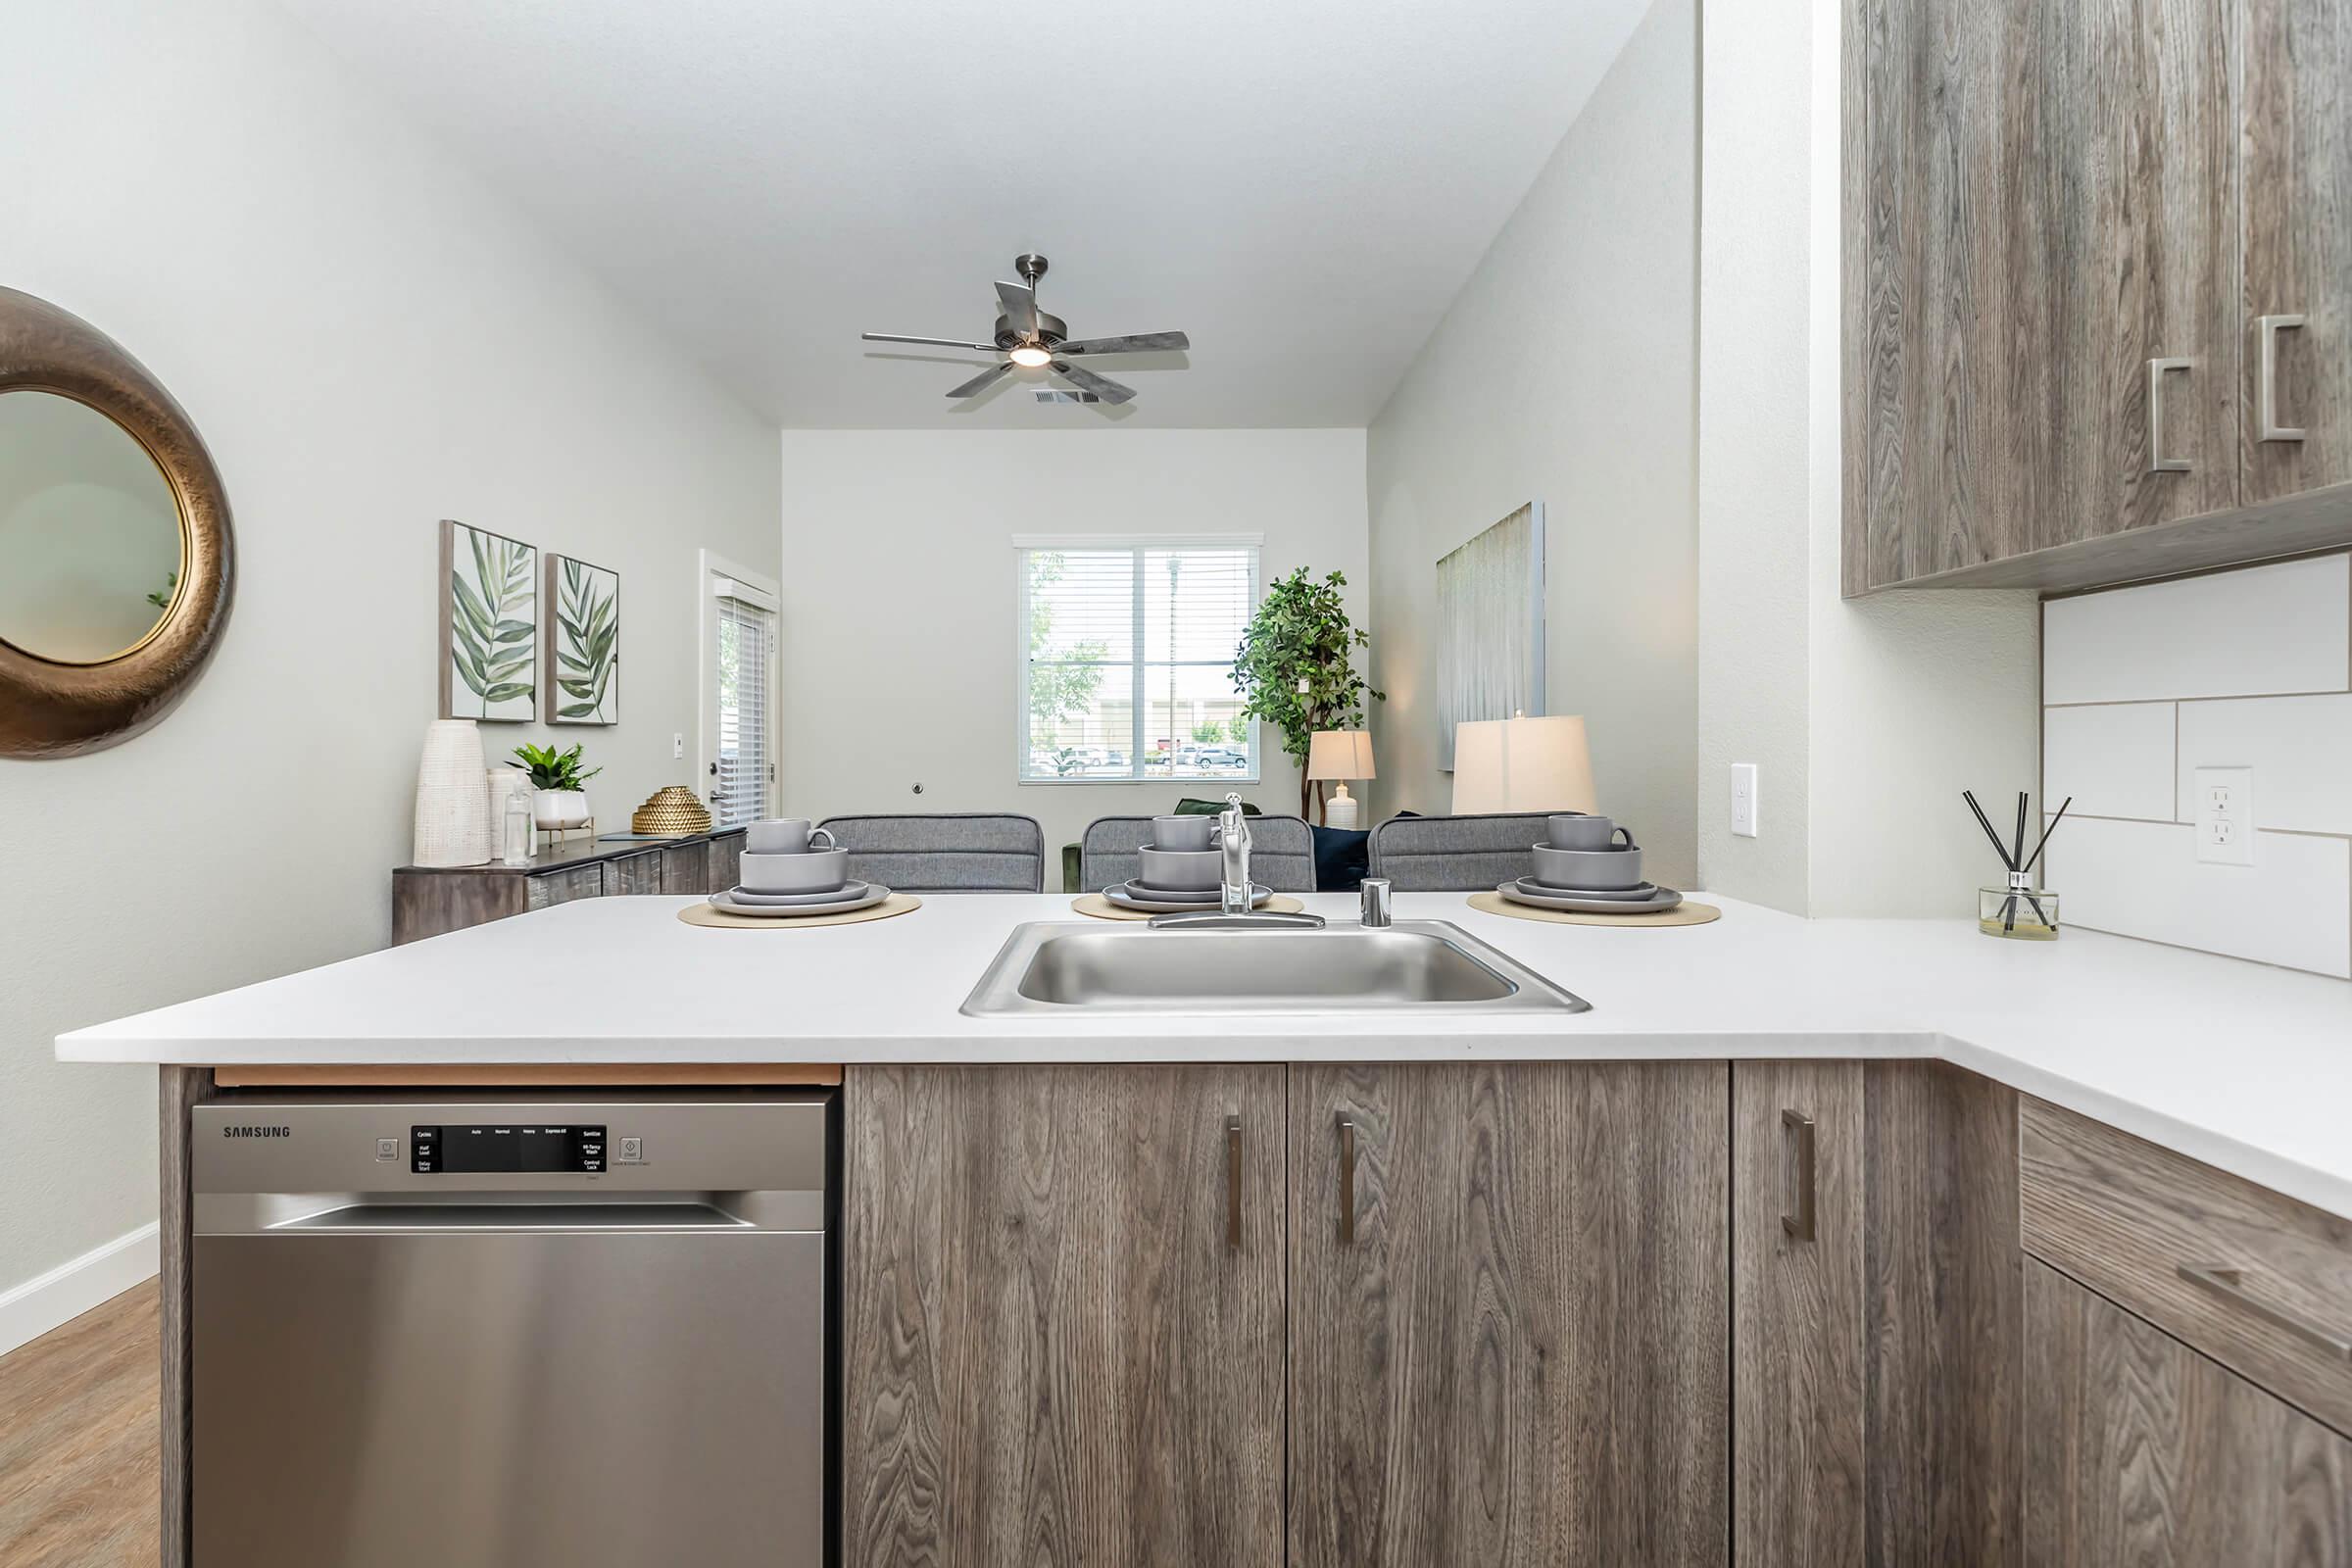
(2020, 912)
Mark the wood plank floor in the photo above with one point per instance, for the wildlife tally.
(78, 1440)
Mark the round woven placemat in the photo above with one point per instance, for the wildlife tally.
(1683, 913)
(1102, 908)
(705, 914)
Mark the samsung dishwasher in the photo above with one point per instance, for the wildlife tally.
(484, 1332)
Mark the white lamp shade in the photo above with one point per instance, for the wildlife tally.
(1522, 765)
(1340, 753)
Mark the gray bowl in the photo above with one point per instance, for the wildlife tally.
(1587, 869)
(816, 871)
(1179, 869)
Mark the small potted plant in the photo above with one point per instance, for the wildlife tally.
(558, 800)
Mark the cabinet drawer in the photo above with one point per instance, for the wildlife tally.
(562, 886)
(2259, 1282)
(634, 873)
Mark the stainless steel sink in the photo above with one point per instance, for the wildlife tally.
(1066, 968)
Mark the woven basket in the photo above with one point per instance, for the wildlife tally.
(673, 811)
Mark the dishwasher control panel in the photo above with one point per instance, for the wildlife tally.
(522, 1147)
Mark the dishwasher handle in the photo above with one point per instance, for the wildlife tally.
(450, 1219)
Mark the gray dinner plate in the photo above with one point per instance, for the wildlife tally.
(1134, 887)
(1640, 894)
(1659, 903)
(874, 894)
(852, 889)
(1118, 895)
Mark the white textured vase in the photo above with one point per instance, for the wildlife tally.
(453, 809)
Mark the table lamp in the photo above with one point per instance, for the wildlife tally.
(1522, 765)
(1340, 753)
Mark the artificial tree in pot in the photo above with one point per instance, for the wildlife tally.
(1295, 666)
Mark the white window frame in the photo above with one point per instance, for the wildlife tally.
(717, 578)
(1137, 545)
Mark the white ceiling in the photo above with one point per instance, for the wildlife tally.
(1302, 185)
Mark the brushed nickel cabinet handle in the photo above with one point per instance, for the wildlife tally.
(1233, 1183)
(1347, 1182)
(2267, 329)
(1800, 1224)
(2158, 463)
(2230, 1284)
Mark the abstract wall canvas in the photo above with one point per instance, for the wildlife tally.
(489, 626)
(583, 642)
(1490, 626)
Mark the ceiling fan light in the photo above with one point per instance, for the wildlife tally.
(1030, 357)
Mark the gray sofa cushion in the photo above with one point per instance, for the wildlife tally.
(1456, 853)
(972, 853)
(1282, 851)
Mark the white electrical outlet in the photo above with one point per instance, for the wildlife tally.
(1743, 799)
(2225, 811)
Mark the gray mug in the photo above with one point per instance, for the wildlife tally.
(785, 835)
(1586, 833)
(1183, 832)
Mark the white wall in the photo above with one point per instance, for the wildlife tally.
(899, 594)
(2144, 686)
(370, 342)
(1865, 718)
(1566, 372)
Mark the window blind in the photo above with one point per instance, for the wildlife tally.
(744, 661)
(1126, 660)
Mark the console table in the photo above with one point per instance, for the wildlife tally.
(427, 900)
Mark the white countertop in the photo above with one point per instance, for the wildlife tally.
(2243, 1066)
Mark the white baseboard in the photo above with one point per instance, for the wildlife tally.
(32, 1310)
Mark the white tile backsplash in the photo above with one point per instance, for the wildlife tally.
(2144, 686)
(2258, 632)
(2292, 906)
(2301, 749)
(2115, 758)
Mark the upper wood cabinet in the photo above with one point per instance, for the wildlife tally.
(2056, 256)
(1508, 1316)
(2297, 347)
(1062, 1317)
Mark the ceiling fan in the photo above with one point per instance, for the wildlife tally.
(1031, 339)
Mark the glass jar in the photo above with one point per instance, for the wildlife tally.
(2020, 912)
(515, 829)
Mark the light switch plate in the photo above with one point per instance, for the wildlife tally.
(1743, 799)
(678, 744)
(2224, 813)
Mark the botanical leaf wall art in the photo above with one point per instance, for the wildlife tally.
(583, 642)
(489, 626)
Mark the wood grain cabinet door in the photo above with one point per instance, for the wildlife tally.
(1876, 1338)
(2141, 1452)
(2298, 115)
(1799, 1344)
(1062, 1317)
(1510, 1315)
(2042, 222)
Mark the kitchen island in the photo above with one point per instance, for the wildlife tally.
(1755, 1254)
(2240, 1065)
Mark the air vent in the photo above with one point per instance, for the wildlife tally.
(1054, 394)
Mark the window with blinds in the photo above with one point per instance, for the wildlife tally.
(742, 663)
(1126, 660)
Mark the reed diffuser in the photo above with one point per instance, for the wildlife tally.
(2018, 910)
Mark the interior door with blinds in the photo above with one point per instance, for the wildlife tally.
(739, 734)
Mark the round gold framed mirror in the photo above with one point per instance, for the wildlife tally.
(114, 543)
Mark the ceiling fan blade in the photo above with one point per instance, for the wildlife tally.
(940, 342)
(982, 381)
(1088, 381)
(1139, 343)
(1020, 308)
